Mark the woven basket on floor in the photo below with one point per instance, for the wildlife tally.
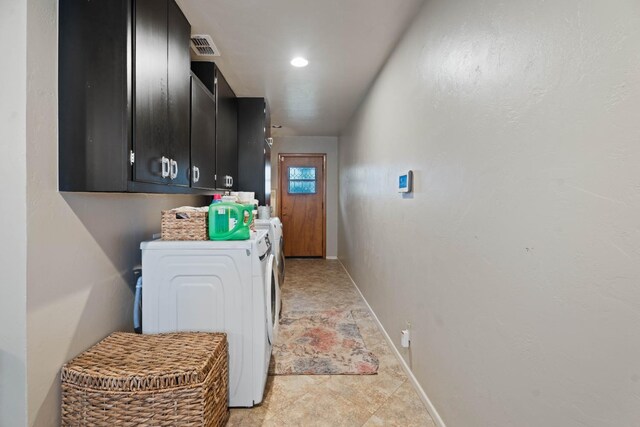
(185, 223)
(176, 379)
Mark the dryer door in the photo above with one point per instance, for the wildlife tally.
(271, 296)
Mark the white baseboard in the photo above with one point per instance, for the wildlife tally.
(423, 396)
(333, 257)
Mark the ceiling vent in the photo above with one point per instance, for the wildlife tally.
(202, 44)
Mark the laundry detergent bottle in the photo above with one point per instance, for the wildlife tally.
(229, 221)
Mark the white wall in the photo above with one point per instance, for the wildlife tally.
(313, 144)
(13, 214)
(81, 247)
(517, 259)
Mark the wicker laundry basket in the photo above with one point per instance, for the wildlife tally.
(175, 379)
(185, 223)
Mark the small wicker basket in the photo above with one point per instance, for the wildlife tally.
(160, 380)
(185, 223)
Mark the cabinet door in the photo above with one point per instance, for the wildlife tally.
(94, 95)
(150, 134)
(226, 134)
(179, 77)
(267, 155)
(267, 175)
(253, 151)
(203, 136)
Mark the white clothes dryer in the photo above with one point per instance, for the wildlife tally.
(274, 225)
(216, 286)
(278, 244)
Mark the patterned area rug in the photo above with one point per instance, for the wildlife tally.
(321, 343)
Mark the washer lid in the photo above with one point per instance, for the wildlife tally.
(159, 244)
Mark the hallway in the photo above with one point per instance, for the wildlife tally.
(385, 399)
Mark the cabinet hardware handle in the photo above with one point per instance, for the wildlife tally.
(165, 167)
(174, 169)
(196, 174)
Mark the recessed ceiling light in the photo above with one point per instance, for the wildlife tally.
(299, 62)
(276, 126)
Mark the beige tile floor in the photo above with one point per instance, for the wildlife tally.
(385, 399)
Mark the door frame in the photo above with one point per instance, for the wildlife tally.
(282, 188)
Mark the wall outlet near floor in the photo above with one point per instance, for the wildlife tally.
(405, 338)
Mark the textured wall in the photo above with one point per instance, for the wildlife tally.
(517, 259)
(81, 247)
(314, 144)
(13, 214)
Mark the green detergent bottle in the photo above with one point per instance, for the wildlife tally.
(229, 221)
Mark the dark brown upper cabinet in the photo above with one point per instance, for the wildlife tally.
(226, 124)
(179, 82)
(254, 148)
(203, 136)
(124, 96)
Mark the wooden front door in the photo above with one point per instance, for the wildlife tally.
(302, 204)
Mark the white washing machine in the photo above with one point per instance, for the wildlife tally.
(216, 286)
(274, 225)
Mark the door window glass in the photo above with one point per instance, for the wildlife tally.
(302, 180)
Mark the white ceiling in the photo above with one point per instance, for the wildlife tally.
(345, 41)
